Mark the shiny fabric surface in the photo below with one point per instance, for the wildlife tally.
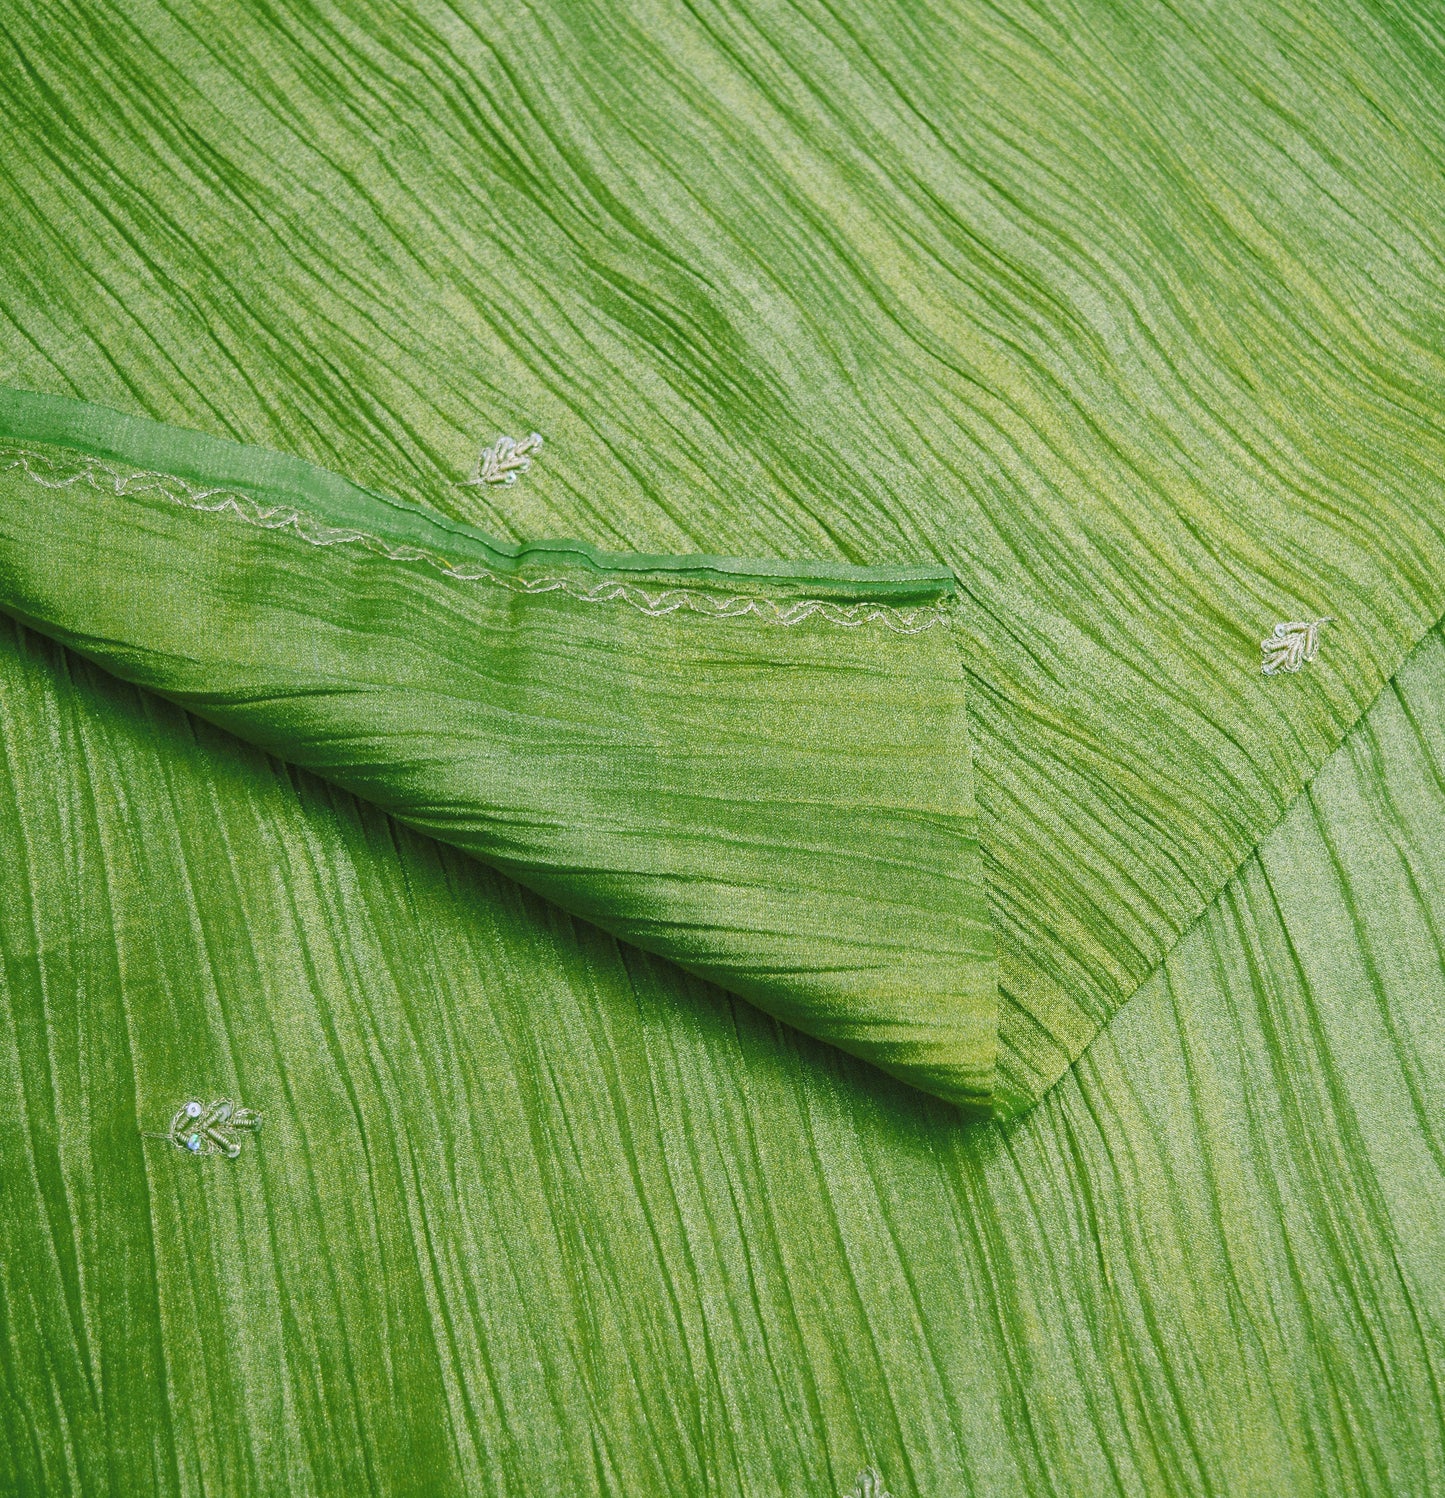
(762, 777)
(1118, 331)
(531, 1211)
(1133, 321)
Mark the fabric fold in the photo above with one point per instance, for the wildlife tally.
(758, 770)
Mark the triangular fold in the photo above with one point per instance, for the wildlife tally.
(758, 770)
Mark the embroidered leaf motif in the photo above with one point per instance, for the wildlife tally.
(1289, 646)
(504, 460)
(210, 1129)
(869, 1485)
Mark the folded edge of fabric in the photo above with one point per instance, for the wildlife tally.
(759, 770)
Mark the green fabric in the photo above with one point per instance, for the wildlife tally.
(531, 1214)
(1132, 320)
(764, 778)
(758, 770)
(1127, 319)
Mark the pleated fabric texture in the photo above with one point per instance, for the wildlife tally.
(1132, 321)
(528, 1212)
(759, 770)
(763, 778)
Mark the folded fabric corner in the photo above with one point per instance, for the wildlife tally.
(758, 770)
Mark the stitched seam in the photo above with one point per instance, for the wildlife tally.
(47, 470)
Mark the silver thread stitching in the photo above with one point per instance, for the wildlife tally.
(205, 1129)
(504, 461)
(1291, 645)
(97, 474)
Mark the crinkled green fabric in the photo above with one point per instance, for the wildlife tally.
(1117, 335)
(530, 1212)
(1131, 320)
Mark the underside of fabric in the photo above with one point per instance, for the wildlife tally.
(563, 1177)
(1090, 358)
(1130, 322)
(758, 772)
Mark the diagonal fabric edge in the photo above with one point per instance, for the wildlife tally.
(892, 995)
(1011, 1101)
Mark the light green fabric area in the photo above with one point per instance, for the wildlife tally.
(1133, 320)
(529, 1213)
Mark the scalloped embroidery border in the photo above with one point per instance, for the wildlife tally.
(46, 469)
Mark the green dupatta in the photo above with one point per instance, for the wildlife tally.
(1114, 335)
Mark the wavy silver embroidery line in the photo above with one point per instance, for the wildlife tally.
(47, 470)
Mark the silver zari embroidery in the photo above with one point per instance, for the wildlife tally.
(48, 470)
(1289, 646)
(204, 1129)
(504, 460)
